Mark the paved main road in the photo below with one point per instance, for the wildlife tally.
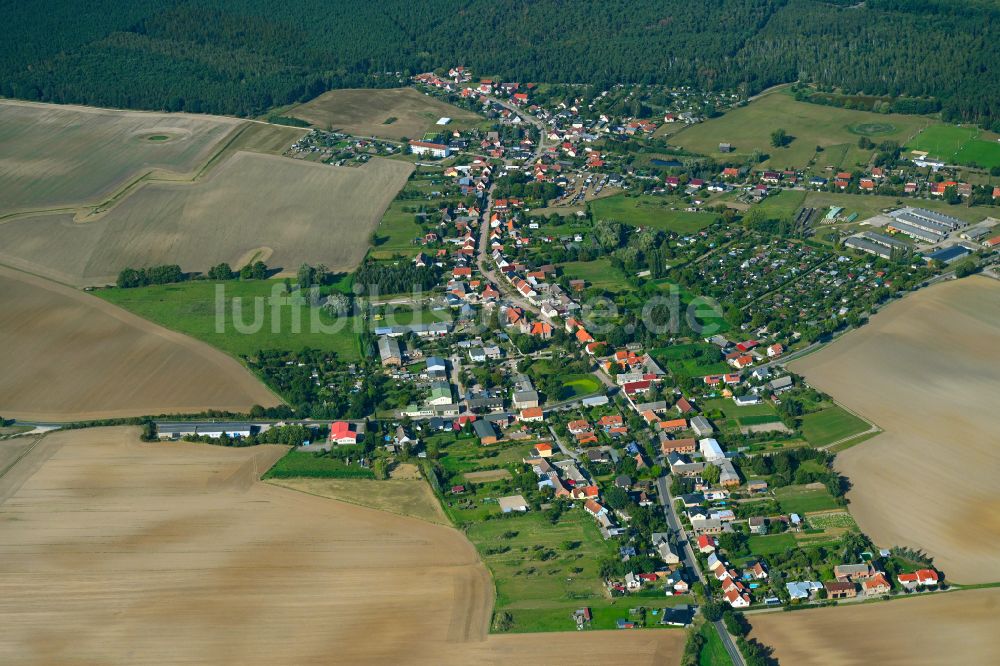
(689, 562)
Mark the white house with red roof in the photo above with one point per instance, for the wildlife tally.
(342, 432)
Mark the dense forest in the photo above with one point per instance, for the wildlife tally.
(246, 56)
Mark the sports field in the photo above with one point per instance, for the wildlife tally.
(920, 631)
(67, 355)
(925, 370)
(837, 130)
(175, 553)
(787, 202)
(284, 211)
(67, 156)
(393, 113)
(958, 145)
(650, 212)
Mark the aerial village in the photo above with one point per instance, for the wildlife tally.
(702, 467)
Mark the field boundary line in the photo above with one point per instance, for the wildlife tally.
(274, 483)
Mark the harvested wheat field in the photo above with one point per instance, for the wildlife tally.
(295, 211)
(114, 551)
(67, 355)
(959, 627)
(58, 156)
(927, 371)
(407, 497)
(393, 113)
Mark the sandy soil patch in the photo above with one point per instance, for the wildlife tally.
(67, 355)
(407, 497)
(927, 371)
(56, 156)
(115, 551)
(365, 112)
(305, 212)
(930, 630)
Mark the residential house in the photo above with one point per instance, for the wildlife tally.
(799, 590)
(342, 432)
(920, 578)
(758, 525)
(737, 600)
(525, 399)
(757, 571)
(668, 446)
(533, 415)
(425, 147)
(706, 544)
(876, 585)
(661, 542)
(673, 425)
(853, 572)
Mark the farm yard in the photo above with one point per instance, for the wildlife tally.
(921, 631)
(285, 212)
(69, 156)
(904, 491)
(393, 113)
(836, 130)
(188, 548)
(67, 356)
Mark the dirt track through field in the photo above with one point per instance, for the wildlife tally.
(67, 355)
(927, 371)
(115, 551)
(953, 628)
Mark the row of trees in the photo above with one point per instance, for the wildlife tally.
(171, 273)
(143, 277)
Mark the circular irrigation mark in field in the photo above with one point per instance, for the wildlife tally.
(872, 129)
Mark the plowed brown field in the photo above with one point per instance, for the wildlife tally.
(66, 355)
(927, 371)
(113, 551)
